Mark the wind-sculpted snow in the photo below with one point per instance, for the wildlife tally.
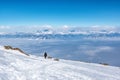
(17, 66)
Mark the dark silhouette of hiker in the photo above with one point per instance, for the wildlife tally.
(45, 55)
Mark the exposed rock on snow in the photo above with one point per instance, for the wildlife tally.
(18, 49)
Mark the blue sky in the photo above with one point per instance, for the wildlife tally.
(59, 12)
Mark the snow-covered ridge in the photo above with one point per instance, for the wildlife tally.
(16, 66)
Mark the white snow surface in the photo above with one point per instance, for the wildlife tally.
(17, 66)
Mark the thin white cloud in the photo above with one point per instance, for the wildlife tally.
(106, 27)
(93, 51)
(4, 27)
(62, 29)
(65, 26)
(47, 26)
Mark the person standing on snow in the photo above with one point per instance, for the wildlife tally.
(45, 55)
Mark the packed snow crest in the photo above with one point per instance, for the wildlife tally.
(17, 66)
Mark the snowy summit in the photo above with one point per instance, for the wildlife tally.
(17, 66)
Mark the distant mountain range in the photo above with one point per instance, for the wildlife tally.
(69, 34)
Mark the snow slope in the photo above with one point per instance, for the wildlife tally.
(17, 66)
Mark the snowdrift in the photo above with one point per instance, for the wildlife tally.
(17, 66)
